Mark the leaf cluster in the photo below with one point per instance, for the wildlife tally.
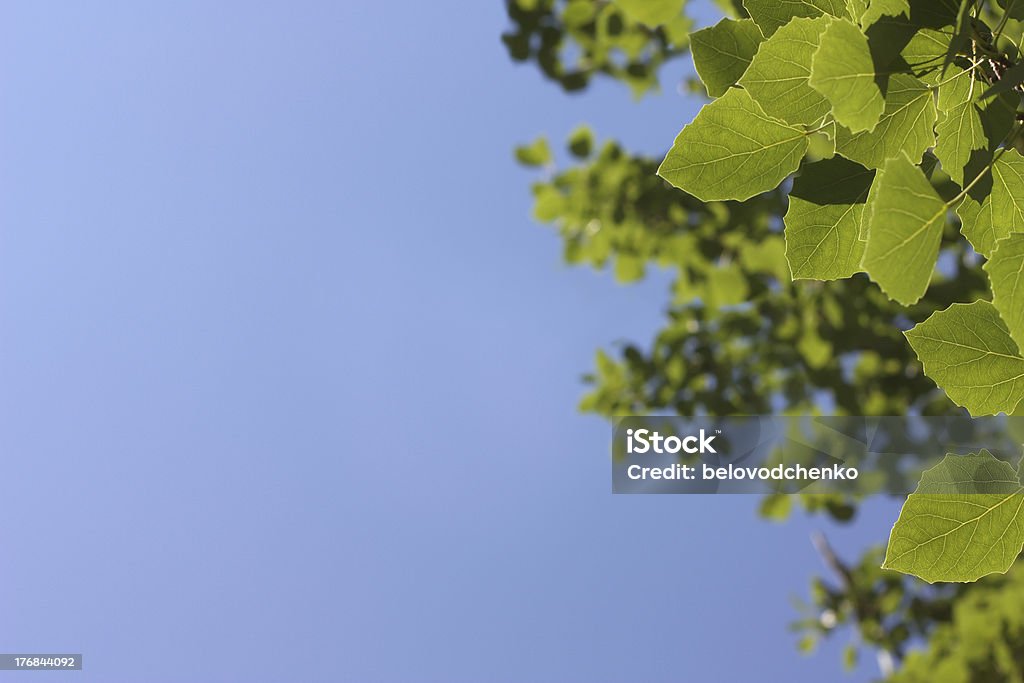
(919, 101)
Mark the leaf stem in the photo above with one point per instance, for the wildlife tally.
(1002, 22)
(974, 65)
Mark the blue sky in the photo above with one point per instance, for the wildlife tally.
(288, 377)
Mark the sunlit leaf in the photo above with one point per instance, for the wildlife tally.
(771, 15)
(823, 224)
(777, 78)
(1006, 272)
(712, 162)
(906, 126)
(1002, 211)
(842, 70)
(949, 531)
(967, 350)
(905, 220)
(722, 53)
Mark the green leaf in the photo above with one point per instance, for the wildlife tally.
(766, 256)
(1006, 272)
(816, 351)
(998, 116)
(960, 135)
(967, 350)
(960, 131)
(934, 13)
(776, 507)
(822, 143)
(1002, 211)
(843, 72)
(579, 12)
(906, 126)
(537, 153)
(948, 532)
(823, 224)
(962, 31)
(1015, 8)
(581, 142)
(712, 162)
(726, 286)
(855, 9)
(628, 268)
(970, 127)
(969, 475)
(652, 13)
(918, 40)
(771, 15)
(958, 88)
(905, 221)
(777, 77)
(883, 8)
(851, 654)
(925, 53)
(549, 203)
(721, 53)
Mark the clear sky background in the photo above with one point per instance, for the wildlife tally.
(288, 377)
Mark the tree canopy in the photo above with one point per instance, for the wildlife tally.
(844, 219)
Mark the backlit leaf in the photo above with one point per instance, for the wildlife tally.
(842, 71)
(906, 126)
(712, 161)
(905, 220)
(1006, 272)
(777, 77)
(949, 531)
(967, 350)
(883, 8)
(1002, 211)
(771, 15)
(823, 223)
(722, 53)
(960, 131)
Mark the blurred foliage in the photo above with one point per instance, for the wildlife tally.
(573, 40)
(887, 611)
(741, 336)
(981, 642)
(950, 633)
